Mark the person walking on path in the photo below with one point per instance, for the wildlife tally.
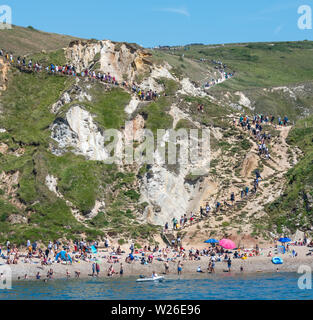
(232, 198)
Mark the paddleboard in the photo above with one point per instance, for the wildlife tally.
(158, 278)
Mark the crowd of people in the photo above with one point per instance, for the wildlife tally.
(170, 257)
(221, 67)
(70, 70)
(147, 95)
(213, 82)
(255, 126)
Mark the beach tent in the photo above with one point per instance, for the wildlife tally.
(285, 239)
(93, 249)
(281, 249)
(211, 241)
(62, 255)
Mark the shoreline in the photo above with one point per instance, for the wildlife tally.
(252, 265)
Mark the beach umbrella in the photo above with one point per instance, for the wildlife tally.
(283, 240)
(227, 244)
(211, 241)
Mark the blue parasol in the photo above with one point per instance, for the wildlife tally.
(211, 241)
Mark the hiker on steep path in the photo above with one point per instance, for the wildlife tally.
(232, 198)
(247, 191)
(207, 208)
(285, 121)
(257, 174)
(70, 70)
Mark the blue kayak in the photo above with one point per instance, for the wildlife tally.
(277, 260)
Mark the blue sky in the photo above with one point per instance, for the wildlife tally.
(165, 22)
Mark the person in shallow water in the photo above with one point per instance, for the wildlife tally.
(229, 264)
(179, 268)
(199, 269)
(93, 269)
(166, 266)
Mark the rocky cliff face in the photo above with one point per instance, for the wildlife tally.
(168, 191)
(123, 61)
(79, 131)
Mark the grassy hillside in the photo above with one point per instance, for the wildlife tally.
(23, 41)
(27, 118)
(259, 64)
(41, 214)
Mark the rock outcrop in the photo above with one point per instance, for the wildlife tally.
(79, 131)
(121, 60)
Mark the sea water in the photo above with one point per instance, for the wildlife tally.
(277, 286)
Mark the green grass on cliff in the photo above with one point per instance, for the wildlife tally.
(27, 102)
(24, 41)
(27, 118)
(108, 106)
(259, 64)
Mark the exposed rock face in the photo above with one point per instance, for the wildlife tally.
(157, 72)
(9, 183)
(75, 93)
(162, 188)
(99, 206)
(52, 184)
(78, 130)
(3, 148)
(120, 60)
(16, 219)
(189, 89)
(132, 106)
(169, 191)
(243, 100)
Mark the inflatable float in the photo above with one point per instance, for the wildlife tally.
(277, 260)
(158, 278)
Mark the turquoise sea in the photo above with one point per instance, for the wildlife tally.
(277, 286)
